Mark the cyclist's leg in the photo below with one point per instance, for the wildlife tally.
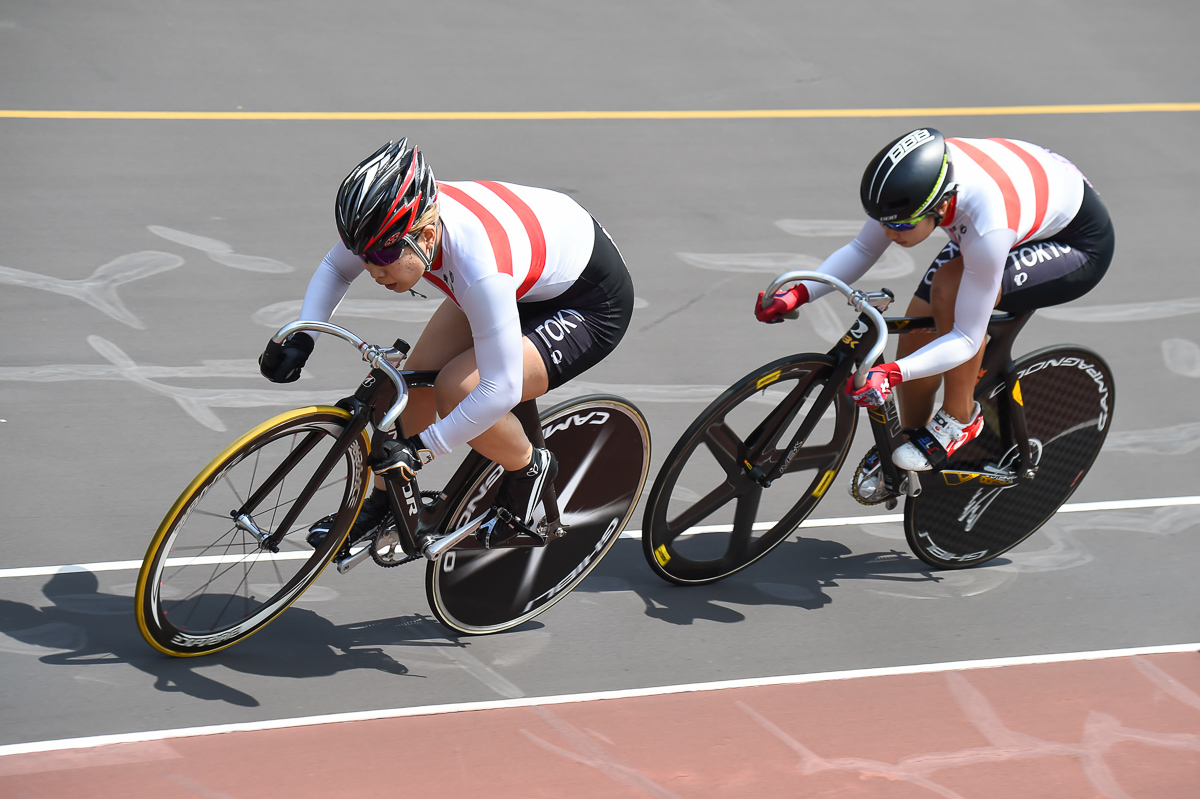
(446, 336)
(504, 442)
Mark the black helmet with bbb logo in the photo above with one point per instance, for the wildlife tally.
(908, 178)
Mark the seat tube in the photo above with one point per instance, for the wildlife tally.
(1014, 404)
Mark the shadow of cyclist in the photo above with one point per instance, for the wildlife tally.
(797, 573)
(86, 627)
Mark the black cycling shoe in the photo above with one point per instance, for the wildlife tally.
(375, 511)
(518, 496)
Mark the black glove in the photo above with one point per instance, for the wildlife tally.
(281, 363)
(403, 457)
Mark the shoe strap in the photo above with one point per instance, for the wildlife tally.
(924, 440)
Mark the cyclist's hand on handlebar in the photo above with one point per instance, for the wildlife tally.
(404, 457)
(880, 382)
(783, 303)
(281, 363)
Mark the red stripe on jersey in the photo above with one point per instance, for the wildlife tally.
(437, 281)
(1012, 203)
(1041, 184)
(501, 250)
(537, 239)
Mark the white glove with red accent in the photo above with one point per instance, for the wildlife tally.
(880, 382)
(784, 303)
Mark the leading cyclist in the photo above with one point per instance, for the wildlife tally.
(536, 290)
(1026, 229)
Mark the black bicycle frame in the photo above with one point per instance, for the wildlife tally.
(418, 520)
(885, 419)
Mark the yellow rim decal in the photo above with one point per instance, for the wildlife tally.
(1017, 393)
(661, 555)
(825, 483)
(768, 379)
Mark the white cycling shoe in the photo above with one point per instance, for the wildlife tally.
(931, 445)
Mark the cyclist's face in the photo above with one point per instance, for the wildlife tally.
(403, 273)
(911, 238)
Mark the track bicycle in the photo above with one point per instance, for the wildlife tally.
(231, 553)
(770, 446)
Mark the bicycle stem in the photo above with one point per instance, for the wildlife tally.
(378, 357)
(860, 301)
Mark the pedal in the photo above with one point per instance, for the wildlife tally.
(510, 532)
(911, 484)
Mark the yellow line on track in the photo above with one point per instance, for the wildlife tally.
(797, 113)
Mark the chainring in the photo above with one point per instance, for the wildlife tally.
(867, 486)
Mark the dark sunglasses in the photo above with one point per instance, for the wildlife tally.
(907, 224)
(384, 256)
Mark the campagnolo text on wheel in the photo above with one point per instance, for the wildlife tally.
(1013, 437)
(536, 293)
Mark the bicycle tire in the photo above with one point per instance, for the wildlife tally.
(704, 478)
(476, 591)
(205, 582)
(1067, 393)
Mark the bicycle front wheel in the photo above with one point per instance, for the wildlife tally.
(210, 577)
(705, 478)
(1067, 394)
(603, 449)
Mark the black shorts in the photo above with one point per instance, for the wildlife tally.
(1052, 271)
(576, 330)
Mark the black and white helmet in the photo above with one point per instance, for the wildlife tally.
(382, 197)
(909, 177)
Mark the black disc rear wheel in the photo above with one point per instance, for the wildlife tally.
(603, 449)
(1067, 394)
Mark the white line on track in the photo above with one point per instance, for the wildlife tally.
(433, 710)
(1079, 507)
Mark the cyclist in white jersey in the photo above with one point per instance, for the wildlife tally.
(1026, 229)
(536, 294)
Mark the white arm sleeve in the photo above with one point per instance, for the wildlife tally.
(490, 304)
(852, 261)
(329, 284)
(983, 268)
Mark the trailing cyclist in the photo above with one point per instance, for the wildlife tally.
(1027, 230)
(536, 293)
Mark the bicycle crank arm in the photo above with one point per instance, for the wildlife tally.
(435, 549)
(957, 477)
(348, 562)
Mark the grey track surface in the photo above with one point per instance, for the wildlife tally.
(90, 463)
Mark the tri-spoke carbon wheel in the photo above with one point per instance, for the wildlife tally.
(707, 516)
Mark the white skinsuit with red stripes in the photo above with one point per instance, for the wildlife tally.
(501, 243)
(1009, 192)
